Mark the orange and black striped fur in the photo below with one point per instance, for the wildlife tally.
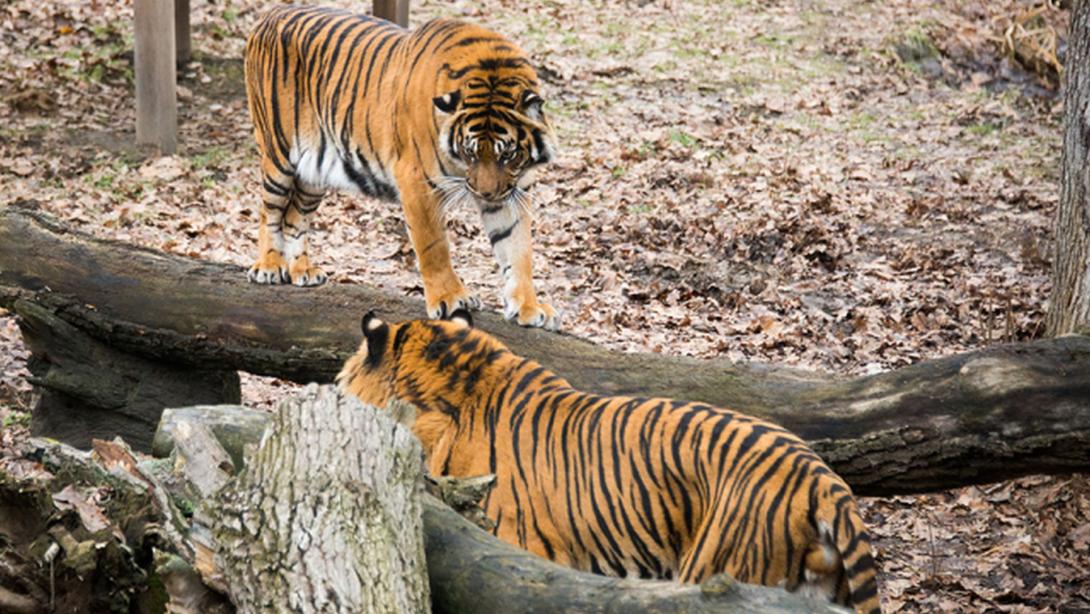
(654, 488)
(447, 113)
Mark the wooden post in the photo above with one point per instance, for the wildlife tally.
(396, 11)
(181, 32)
(156, 97)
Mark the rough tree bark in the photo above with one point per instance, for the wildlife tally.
(1070, 308)
(997, 413)
(326, 517)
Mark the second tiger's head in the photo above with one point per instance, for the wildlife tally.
(493, 132)
(413, 359)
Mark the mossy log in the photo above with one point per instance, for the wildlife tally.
(995, 413)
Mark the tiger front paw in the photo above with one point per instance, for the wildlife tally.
(532, 314)
(442, 305)
(302, 274)
(270, 269)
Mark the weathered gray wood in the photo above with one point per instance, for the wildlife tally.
(156, 96)
(200, 458)
(91, 390)
(326, 517)
(992, 414)
(396, 11)
(1069, 309)
(182, 44)
(234, 426)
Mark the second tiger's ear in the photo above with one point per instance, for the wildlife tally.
(448, 102)
(370, 322)
(376, 332)
(461, 316)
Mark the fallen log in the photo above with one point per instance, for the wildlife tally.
(996, 413)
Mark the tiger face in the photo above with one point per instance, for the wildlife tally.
(493, 131)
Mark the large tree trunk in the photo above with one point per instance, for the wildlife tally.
(996, 413)
(1070, 308)
(326, 517)
(91, 390)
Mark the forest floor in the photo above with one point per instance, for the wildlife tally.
(846, 186)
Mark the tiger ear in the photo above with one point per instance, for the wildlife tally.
(376, 332)
(462, 317)
(531, 105)
(447, 102)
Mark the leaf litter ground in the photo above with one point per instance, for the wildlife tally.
(843, 186)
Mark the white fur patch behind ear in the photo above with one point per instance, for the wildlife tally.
(370, 323)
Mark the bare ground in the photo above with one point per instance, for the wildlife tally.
(849, 186)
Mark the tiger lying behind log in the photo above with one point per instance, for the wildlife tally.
(655, 488)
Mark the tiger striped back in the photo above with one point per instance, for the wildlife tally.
(447, 114)
(654, 488)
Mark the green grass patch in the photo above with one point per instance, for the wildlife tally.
(982, 129)
(210, 158)
(16, 418)
(683, 138)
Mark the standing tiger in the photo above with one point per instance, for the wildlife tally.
(447, 113)
(655, 488)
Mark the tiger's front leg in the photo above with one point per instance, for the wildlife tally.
(271, 267)
(296, 226)
(444, 292)
(508, 229)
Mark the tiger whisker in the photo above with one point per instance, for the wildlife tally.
(520, 201)
(452, 192)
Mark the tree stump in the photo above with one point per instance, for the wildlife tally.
(327, 516)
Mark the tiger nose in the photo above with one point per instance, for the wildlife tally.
(486, 192)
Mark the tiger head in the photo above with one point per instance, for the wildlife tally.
(492, 129)
(418, 361)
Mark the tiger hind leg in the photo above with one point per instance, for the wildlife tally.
(823, 569)
(271, 266)
(305, 200)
